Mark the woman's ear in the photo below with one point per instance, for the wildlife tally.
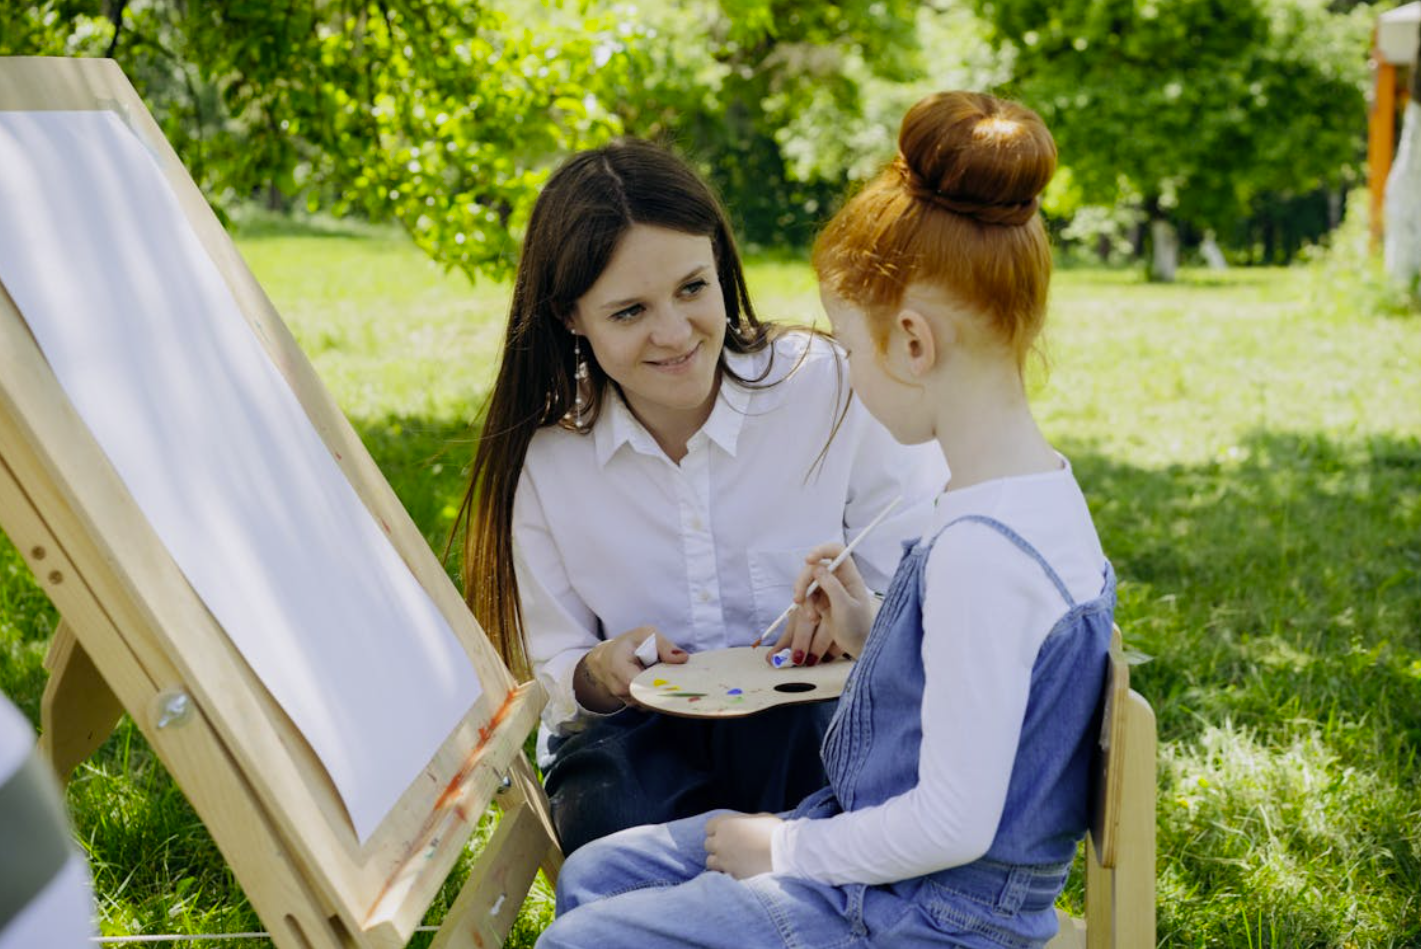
(918, 346)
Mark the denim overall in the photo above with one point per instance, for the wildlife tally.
(647, 887)
(871, 755)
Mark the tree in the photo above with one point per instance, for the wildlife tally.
(1193, 108)
(732, 82)
(1402, 209)
(441, 114)
(447, 114)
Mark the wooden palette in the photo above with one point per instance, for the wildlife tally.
(729, 683)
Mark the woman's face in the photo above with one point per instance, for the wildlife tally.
(655, 320)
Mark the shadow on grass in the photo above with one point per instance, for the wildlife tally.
(1279, 592)
(1281, 582)
(1277, 589)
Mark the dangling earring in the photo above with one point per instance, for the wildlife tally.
(579, 383)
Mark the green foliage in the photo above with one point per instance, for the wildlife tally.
(445, 115)
(735, 84)
(1197, 107)
(1345, 276)
(442, 116)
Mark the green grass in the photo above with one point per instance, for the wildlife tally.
(1250, 443)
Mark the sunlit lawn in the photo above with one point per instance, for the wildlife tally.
(1251, 445)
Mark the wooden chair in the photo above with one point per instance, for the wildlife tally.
(1120, 845)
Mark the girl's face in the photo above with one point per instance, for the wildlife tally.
(655, 320)
(882, 388)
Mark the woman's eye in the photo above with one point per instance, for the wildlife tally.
(693, 288)
(630, 312)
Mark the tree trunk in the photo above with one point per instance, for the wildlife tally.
(1164, 252)
(1213, 256)
(1402, 208)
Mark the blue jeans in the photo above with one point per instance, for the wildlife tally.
(648, 888)
(638, 767)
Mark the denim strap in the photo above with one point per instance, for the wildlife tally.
(34, 837)
(1022, 544)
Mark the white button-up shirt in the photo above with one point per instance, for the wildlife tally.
(610, 534)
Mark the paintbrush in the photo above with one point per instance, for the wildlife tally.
(832, 565)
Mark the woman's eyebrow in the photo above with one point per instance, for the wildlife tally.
(620, 304)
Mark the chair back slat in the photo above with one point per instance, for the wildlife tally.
(1110, 777)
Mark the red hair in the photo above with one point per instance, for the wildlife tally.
(957, 210)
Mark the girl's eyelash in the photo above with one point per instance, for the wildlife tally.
(628, 313)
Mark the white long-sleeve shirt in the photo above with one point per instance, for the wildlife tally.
(610, 534)
(986, 610)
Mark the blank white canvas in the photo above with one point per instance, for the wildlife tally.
(148, 343)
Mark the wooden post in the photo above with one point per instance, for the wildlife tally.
(1381, 142)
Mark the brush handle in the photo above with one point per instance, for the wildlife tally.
(832, 566)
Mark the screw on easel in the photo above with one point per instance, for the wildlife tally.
(171, 707)
(504, 783)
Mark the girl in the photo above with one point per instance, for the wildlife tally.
(653, 459)
(959, 755)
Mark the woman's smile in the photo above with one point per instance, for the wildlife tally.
(677, 363)
(655, 321)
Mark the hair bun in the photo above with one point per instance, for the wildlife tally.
(976, 155)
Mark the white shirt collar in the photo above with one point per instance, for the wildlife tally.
(617, 426)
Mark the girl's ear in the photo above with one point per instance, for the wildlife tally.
(918, 347)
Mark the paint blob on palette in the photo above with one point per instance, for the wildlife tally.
(728, 683)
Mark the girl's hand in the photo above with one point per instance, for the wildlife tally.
(603, 677)
(836, 618)
(739, 844)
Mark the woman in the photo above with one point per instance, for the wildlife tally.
(656, 461)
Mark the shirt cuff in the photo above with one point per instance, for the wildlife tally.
(781, 842)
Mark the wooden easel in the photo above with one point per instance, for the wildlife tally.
(135, 637)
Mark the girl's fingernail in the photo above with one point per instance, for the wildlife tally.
(812, 660)
(678, 652)
(798, 656)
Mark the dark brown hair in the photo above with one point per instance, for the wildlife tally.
(958, 210)
(583, 211)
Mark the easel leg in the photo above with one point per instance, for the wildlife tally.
(527, 784)
(493, 895)
(78, 710)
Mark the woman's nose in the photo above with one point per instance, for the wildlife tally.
(672, 329)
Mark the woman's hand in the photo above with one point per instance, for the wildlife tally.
(739, 844)
(836, 618)
(603, 678)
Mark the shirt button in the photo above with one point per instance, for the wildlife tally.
(704, 596)
(696, 524)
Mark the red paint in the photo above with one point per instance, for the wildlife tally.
(455, 788)
(485, 733)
